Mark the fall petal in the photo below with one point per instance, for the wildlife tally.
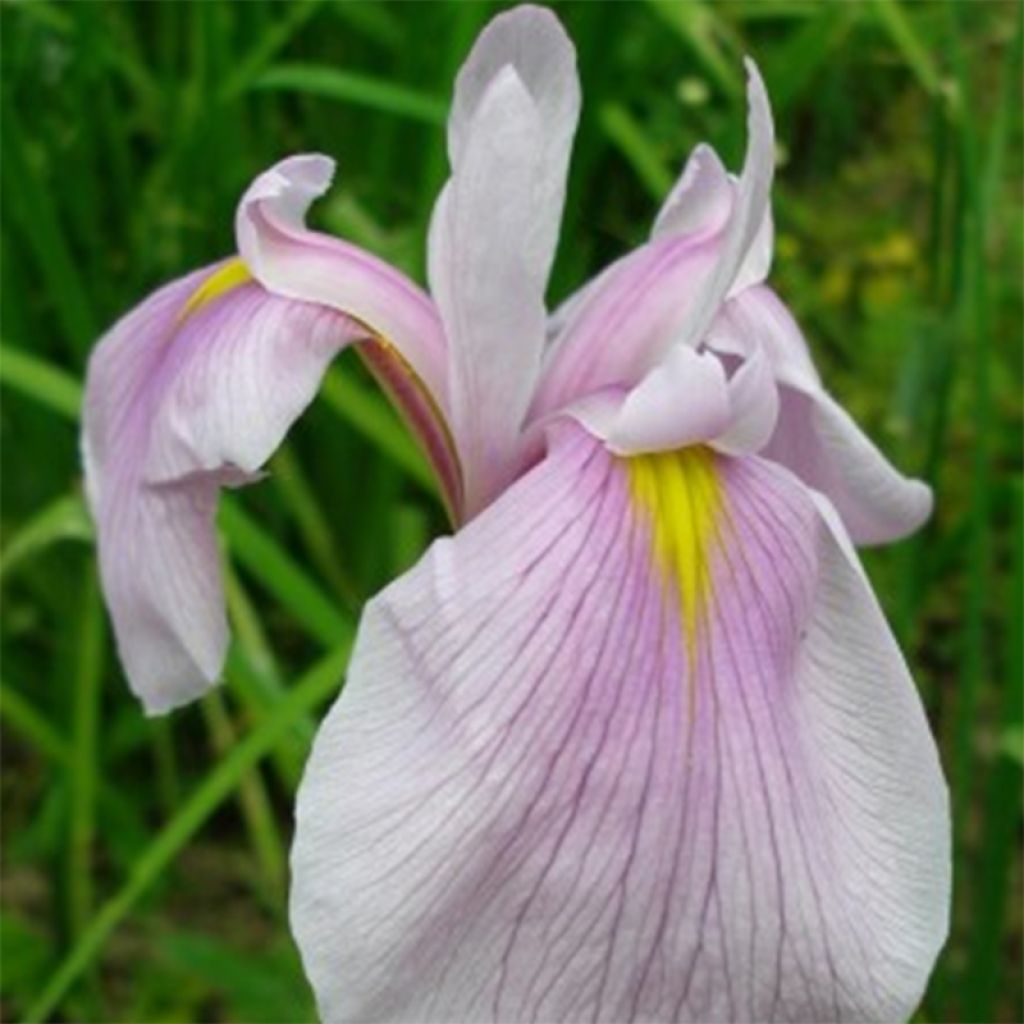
(636, 744)
(813, 435)
(290, 260)
(189, 392)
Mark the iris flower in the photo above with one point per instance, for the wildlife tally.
(635, 742)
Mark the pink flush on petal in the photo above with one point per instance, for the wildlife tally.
(635, 743)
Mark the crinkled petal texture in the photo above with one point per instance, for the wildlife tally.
(636, 744)
(191, 391)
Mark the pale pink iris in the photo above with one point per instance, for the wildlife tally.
(635, 743)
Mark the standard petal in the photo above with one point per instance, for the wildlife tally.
(488, 261)
(290, 260)
(636, 744)
(191, 391)
(532, 41)
(813, 435)
(670, 290)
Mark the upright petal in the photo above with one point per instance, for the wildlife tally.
(189, 392)
(494, 232)
(532, 41)
(813, 435)
(488, 265)
(670, 290)
(636, 744)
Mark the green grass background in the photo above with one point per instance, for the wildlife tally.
(144, 862)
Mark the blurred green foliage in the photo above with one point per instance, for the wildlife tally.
(144, 861)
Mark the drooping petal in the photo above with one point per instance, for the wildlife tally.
(189, 392)
(813, 435)
(670, 290)
(289, 259)
(636, 744)
(819, 440)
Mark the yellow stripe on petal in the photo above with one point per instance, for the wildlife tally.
(230, 276)
(682, 497)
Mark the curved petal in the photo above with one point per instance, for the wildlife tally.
(189, 392)
(636, 744)
(670, 290)
(684, 400)
(290, 260)
(753, 407)
(813, 435)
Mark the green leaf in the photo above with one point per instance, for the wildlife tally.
(314, 687)
(349, 87)
(268, 562)
(628, 137)
(63, 519)
(37, 379)
(374, 419)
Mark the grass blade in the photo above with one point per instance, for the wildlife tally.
(312, 690)
(349, 87)
(37, 379)
(627, 136)
(32, 726)
(374, 419)
(267, 561)
(63, 519)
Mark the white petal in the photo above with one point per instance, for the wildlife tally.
(753, 407)
(488, 261)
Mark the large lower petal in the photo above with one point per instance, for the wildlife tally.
(191, 391)
(636, 744)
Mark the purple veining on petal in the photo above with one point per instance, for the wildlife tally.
(533, 803)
